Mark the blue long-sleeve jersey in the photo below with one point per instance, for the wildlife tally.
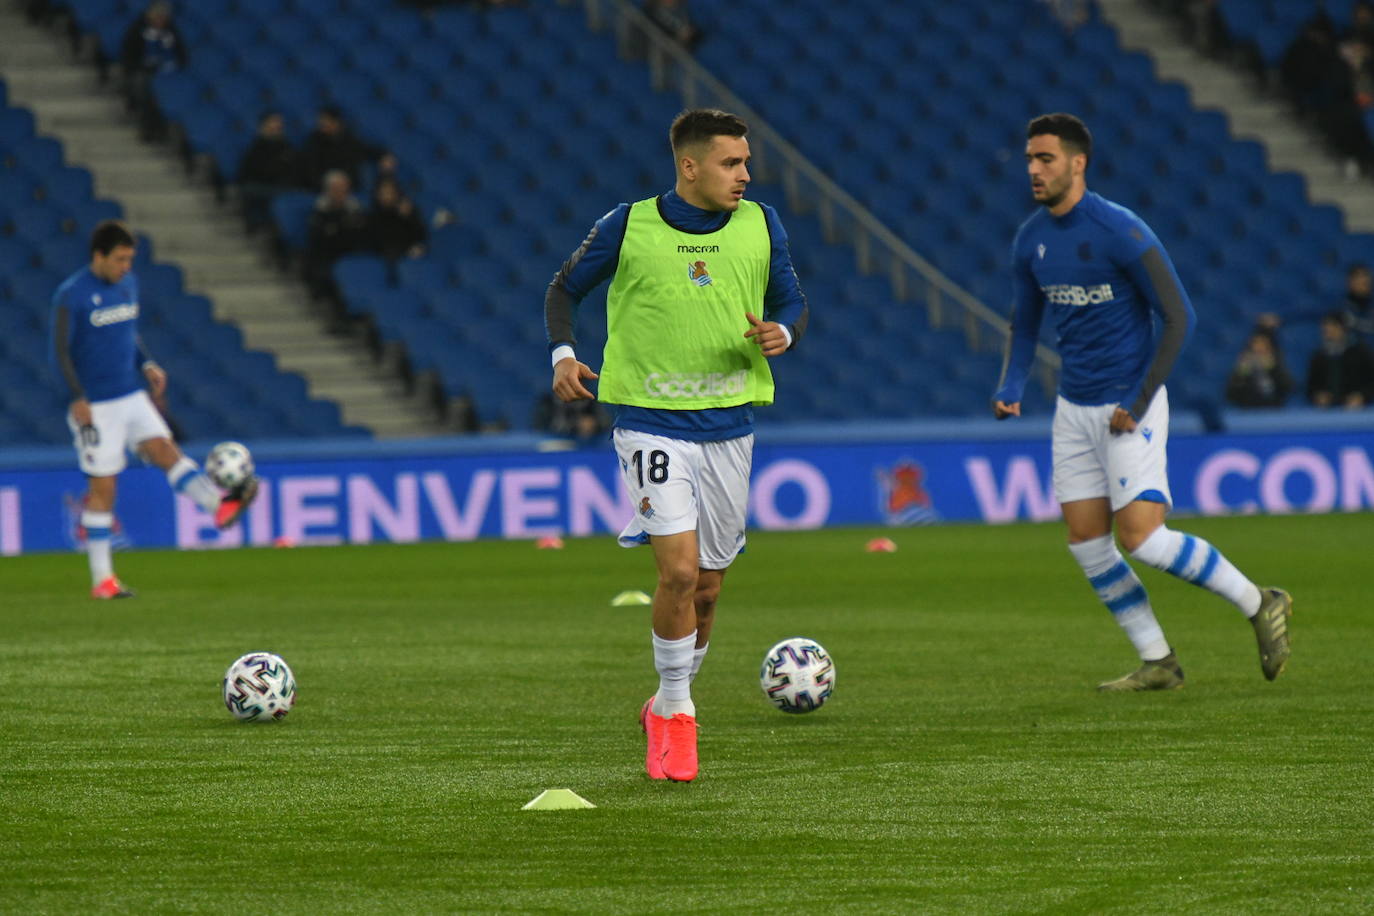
(1102, 272)
(595, 262)
(95, 345)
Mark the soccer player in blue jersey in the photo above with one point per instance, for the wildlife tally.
(99, 354)
(702, 295)
(1103, 276)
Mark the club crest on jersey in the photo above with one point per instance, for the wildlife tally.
(696, 272)
(1040, 250)
(645, 509)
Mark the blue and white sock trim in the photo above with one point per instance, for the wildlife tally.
(98, 525)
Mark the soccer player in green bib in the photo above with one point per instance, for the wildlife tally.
(702, 295)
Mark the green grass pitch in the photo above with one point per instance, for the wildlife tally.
(964, 764)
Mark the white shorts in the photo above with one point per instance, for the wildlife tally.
(119, 425)
(1090, 462)
(676, 486)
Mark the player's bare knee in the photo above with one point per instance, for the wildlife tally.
(1082, 532)
(161, 452)
(1132, 536)
(678, 578)
(706, 598)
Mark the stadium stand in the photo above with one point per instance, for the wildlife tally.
(930, 122)
(217, 389)
(524, 137)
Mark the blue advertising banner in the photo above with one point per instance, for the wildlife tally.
(361, 493)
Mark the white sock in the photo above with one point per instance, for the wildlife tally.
(698, 654)
(1121, 591)
(98, 525)
(673, 661)
(1194, 560)
(185, 477)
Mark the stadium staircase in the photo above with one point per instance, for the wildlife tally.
(189, 227)
(1253, 114)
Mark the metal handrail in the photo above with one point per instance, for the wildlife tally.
(808, 188)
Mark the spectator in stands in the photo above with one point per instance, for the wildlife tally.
(1207, 23)
(1358, 307)
(584, 421)
(395, 228)
(1325, 80)
(338, 226)
(1341, 371)
(152, 45)
(1310, 70)
(1259, 377)
(1362, 22)
(332, 146)
(267, 167)
(673, 18)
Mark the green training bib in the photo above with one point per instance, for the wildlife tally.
(675, 314)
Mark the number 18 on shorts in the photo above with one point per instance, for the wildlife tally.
(676, 486)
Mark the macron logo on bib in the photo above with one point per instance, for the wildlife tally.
(114, 314)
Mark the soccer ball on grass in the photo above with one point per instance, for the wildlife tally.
(229, 464)
(259, 687)
(797, 675)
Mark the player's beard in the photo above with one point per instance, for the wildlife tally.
(1055, 197)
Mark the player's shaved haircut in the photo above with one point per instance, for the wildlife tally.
(109, 235)
(698, 126)
(1072, 133)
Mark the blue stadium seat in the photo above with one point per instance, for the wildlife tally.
(63, 253)
(34, 287)
(428, 276)
(160, 282)
(15, 254)
(16, 124)
(69, 185)
(18, 187)
(362, 273)
(291, 214)
(37, 155)
(39, 222)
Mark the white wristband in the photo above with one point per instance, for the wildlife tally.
(786, 333)
(562, 352)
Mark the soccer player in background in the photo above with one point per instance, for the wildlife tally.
(702, 294)
(1101, 273)
(98, 353)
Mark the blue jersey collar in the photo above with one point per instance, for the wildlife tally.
(685, 217)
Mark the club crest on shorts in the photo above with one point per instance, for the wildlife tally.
(696, 272)
(645, 509)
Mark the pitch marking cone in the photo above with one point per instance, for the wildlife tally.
(557, 799)
(631, 598)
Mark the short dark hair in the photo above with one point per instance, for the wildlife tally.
(700, 125)
(1356, 268)
(1336, 317)
(1072, 133)
(111, 234)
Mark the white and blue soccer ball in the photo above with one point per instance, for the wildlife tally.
(259, 687)
(797, 675)
(229, 464)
